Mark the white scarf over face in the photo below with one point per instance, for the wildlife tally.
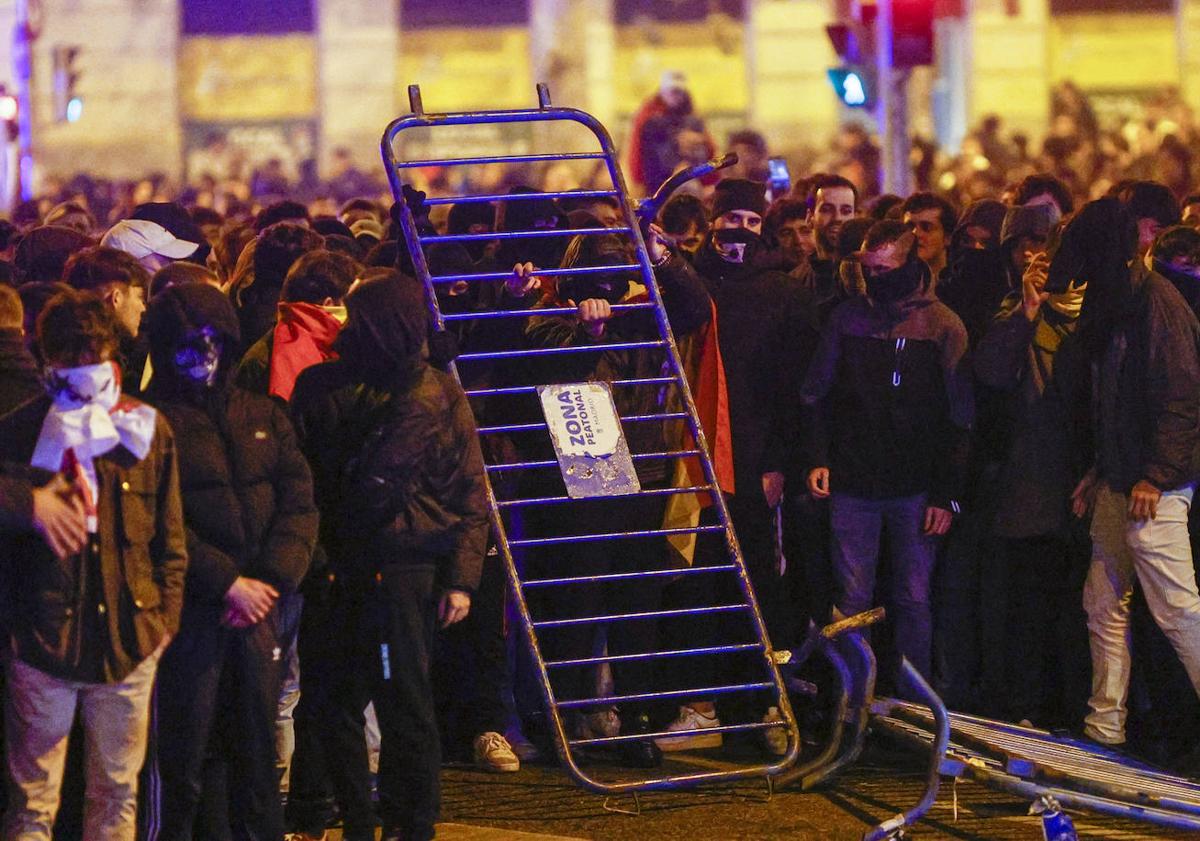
(85, 422)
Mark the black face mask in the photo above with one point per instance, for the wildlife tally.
(735, 245)
(895, 285)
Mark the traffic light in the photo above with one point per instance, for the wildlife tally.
(912, 32)
(68, 104)
(854, 80)
(852, 85)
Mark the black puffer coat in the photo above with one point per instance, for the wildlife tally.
(247, 490)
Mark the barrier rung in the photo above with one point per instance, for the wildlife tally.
(622, 576)
(552, 500)
(501, 159)
(531, 465)
(701, 692)
(615, 535)
(567, 272)
(633, 737)
(652, 655)
(646, 614)
(564, 194)
(537, 313)
(541, 233)
(529, 427)
(532, 389)
(554, 351)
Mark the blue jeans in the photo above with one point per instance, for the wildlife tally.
(858, 525)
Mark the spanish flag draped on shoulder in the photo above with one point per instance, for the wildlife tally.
(701, 355)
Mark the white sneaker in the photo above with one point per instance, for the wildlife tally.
(493, 753)
(602, 724)
(691, 725)
(775, 739)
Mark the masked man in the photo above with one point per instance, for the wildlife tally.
(251, 527)
(889, 408)
(1141, 339)
(757, 326)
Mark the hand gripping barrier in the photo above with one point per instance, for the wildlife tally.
(553, 543)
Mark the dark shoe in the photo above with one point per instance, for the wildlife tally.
(639, 753)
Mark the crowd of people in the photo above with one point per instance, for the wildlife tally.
(243, 506)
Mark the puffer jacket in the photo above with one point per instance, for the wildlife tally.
(142, 559)
(247, 493)
(247, 490)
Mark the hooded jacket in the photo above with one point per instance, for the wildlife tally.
(1143, 343)
(393, 446)
(247, 490)
(888, 400)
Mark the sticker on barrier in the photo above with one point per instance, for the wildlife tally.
(588, 441)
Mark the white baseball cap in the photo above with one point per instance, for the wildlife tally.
(672, 80)
(141, 238)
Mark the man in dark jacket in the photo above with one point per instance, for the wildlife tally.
(758, 328)
(1032, 639)
(88, 631)
(400, 485)
(889, 409)
(1142, 341)
(311, 312)
(251, 525)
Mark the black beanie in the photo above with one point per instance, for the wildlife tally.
(739, 194)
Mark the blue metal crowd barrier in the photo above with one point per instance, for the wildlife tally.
(504, 507)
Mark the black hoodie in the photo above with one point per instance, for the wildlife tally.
(392, 441)
(247, 490)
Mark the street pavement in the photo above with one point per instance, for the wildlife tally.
(540, 803)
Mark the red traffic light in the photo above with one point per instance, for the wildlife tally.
(912, 32)
(8, 107)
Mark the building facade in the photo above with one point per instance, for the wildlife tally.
(161, 80)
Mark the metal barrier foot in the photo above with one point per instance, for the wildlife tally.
(636, 811)
(894, 828)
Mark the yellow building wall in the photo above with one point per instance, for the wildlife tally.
(1114, 51)
(466, 69)
(225, 79)
(711, 53)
